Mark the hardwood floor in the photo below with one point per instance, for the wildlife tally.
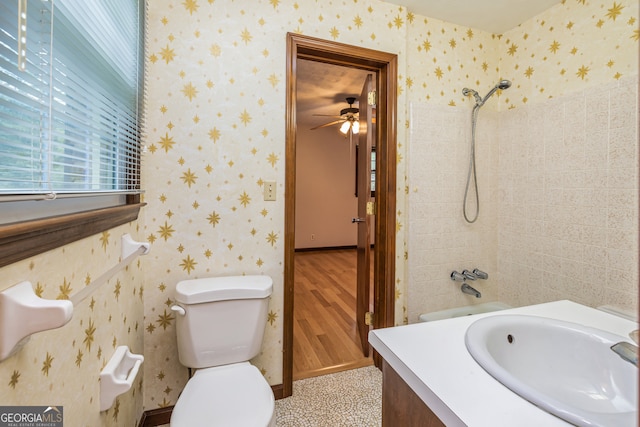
(325, 339)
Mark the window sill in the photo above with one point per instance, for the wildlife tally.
(22, 240)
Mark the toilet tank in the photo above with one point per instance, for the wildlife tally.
(221, 320)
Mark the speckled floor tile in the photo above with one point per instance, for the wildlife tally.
(345, 399)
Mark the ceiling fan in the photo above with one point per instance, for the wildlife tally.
(348, 117)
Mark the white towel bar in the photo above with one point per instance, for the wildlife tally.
(130, 250)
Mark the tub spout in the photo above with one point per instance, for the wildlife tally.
(470, 290)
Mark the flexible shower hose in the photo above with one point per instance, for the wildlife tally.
(472, 169)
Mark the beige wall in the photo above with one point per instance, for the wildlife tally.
(325, 189)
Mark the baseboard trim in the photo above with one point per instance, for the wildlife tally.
(156, 417)
(161, 416)
(326, 248)
(278, 391)
(356, 364)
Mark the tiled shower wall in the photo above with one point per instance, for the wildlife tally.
(440, 240)
(568, 199)
(558, 201)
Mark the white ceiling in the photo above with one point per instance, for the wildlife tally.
(494, 16)
(322, 88)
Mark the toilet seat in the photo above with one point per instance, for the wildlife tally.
(228, 395)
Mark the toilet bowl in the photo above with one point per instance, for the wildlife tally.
(220, 324)
(230, 395)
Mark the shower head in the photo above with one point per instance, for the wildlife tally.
(502, 85)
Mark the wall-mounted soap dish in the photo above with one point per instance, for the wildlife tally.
(118, 376)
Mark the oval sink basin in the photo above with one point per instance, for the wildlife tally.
(568, 370)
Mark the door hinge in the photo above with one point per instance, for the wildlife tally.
(371, 208)
(368, 318)
(371, 97)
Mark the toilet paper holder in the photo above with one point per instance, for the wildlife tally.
(118, 375)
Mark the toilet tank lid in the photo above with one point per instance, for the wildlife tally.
(211, 289)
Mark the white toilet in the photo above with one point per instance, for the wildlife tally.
(220, 323)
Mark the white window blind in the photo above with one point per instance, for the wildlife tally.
(71, 119)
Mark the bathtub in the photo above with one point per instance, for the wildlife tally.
(467, 310)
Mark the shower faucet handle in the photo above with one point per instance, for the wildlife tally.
(469, 275)
(480, 274)
(457, 277)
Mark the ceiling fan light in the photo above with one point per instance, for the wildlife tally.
(356, 127)
(345, 127)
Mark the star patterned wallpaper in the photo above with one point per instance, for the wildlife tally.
(216, 99)
(215, 114)
(61, 367)
(573, 45)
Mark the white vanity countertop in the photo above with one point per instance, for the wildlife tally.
(432, 359)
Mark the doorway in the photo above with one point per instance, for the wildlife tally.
(384, 66)
(326, 337)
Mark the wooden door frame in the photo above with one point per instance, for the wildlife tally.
(385, 65)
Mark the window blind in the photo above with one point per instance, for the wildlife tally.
(71, 119)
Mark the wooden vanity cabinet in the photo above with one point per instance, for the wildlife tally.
(401, 406)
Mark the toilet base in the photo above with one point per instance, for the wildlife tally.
(229, 395)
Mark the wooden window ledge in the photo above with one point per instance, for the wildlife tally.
(21, 240)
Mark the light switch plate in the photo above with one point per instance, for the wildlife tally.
(269, 190)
